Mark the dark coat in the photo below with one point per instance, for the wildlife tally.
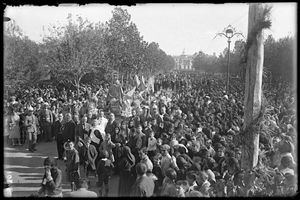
(81, 129)
(56, 128)
(69, 131)
(88, 155)
(110, 128)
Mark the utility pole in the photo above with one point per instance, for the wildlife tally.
(253, 85)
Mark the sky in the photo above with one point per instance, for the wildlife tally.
(175, 27)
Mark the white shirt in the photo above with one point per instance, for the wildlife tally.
(102, 122)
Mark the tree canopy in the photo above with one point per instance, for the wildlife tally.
(82, 51)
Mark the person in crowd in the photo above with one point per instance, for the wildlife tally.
(145, 159)
(104, 170)
(152, 145)
(30, 123)
(82, 190)
(46, 122)
(108, 145)
(111, 126)
(57, 129)
(69, 128)
(71, 158)
(52, 180)
(95, 134)
(82, 129)
(13, 126)
(126, 163)
(87, 157)
(102, 121)
(144, 185)
(166, 160)
(22, 125)
(169, 188)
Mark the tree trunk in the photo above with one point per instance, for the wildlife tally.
(253, 91)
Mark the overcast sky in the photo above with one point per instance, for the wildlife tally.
(175, 27)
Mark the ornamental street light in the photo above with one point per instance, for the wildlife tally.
(6, 19)
(228, 32)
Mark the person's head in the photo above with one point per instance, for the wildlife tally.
(82, 183)
(84, 119)
(90, 114)
(60, 117)
(131, 124)
(171, 174)
(76, 118)
(49, 163)
(220, 152)
(154, 121)
(94, 122)
(123, 124)
(101, 113)
(30, 110)
(145, 123)
(112, 116)
(202, 177)
(286, 161)
(151, 134)
(87, 140)
(68, 117)
(117, 129)
(191, 177)
(141, 169)
(139, 128)
(107, 137)
(143, 153)
(165, 149)
(133, 112)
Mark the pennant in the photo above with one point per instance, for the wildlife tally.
(142, 85)
(150, 83)
(137, 81)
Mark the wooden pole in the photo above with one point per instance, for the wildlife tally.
(253, 90)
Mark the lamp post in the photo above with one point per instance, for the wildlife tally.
(228, 32)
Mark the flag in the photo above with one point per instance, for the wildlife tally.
(137, 81)
(130, 93)
(150, 83)
(142, 85)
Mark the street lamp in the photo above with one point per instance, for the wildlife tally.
(228, 32)
(6, 19)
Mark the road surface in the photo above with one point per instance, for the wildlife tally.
(27, 170)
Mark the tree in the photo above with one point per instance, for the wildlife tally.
(21, 58)
(125, 44)
(75, 50)
(253, 102)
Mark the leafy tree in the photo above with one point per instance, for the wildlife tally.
(75, 50)
(21, 58)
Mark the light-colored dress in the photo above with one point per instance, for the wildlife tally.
(13, 126)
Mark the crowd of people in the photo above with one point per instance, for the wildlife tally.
(180, 140)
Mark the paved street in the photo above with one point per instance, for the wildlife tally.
(26, 169)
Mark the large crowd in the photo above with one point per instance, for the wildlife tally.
(179, 140)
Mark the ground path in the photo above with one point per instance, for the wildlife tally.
(27, 171)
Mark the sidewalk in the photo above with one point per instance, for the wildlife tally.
(27, 170)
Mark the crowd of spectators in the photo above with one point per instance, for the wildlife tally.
(180, 140)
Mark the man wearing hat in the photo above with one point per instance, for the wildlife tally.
(46, 122)
(30, 124)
